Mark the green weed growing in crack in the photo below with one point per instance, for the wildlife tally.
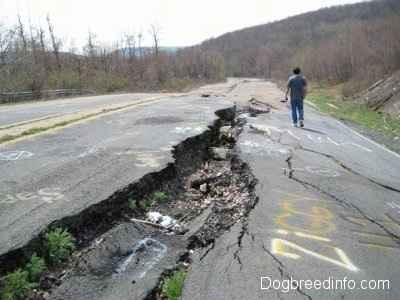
(160, 196)
(172, 287)
(36, 267)
(156, 197)
(59, 244)
(129, 205)
(20, 283)
(16, 285)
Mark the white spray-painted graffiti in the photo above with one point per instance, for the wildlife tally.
(15, 155)
(394, 205)
(184, 130)
(48, 195)
(153, 251)
(321, 171)
(148, 160)
(266, 147)
(93, 151)
(312, 137)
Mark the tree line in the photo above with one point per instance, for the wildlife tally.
(32, 59)
(353, 45)
(350, 45)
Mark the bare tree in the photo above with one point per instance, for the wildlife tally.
(140, 39)
(129, 46)
(6, 39)
(55, 43)
(22, 34)
(155, 34)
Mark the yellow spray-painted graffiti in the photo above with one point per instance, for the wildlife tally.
(369, 238)
(286, 248)
(301, 218)
(315, 220)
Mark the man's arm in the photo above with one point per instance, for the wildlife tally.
(287, 92)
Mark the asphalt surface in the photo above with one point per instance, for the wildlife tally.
(23, 112)
(326, 225)
(44, 178)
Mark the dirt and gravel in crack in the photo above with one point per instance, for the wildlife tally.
(208, 190)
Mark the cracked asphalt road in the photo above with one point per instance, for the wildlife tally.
(328, 218)
(328, 208)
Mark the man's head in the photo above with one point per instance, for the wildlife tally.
(296, 70)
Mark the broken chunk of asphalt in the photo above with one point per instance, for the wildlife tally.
(123, 259)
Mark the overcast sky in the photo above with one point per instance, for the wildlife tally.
(181, 22)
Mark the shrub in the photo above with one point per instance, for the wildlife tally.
(35, 267)
(16, 286)
(59, 244)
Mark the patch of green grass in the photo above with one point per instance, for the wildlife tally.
(59, 244)
(34, 130)
(6, 138)
(329, 101)
(130, 205)
(16, 286)
(173, 285)
(156, 197)
(160, 196)
(60, 124)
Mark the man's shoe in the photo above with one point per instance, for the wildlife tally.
(301, 123)
(295, 124)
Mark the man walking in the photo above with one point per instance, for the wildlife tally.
(297, 86)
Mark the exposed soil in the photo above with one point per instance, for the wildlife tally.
(210, 188)
(384, 96)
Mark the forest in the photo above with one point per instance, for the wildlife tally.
(352, 45)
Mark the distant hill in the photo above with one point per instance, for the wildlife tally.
(358, 43)
(136, 52)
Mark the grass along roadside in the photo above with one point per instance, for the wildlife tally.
(35, 130)
(377, 126)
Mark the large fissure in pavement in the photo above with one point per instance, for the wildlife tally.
(210, 189)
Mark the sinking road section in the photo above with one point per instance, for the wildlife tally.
(63, 172)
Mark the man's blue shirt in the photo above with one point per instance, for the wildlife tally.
(296, 83)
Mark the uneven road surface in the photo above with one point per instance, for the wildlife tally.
(326, 224)
(59, 173)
